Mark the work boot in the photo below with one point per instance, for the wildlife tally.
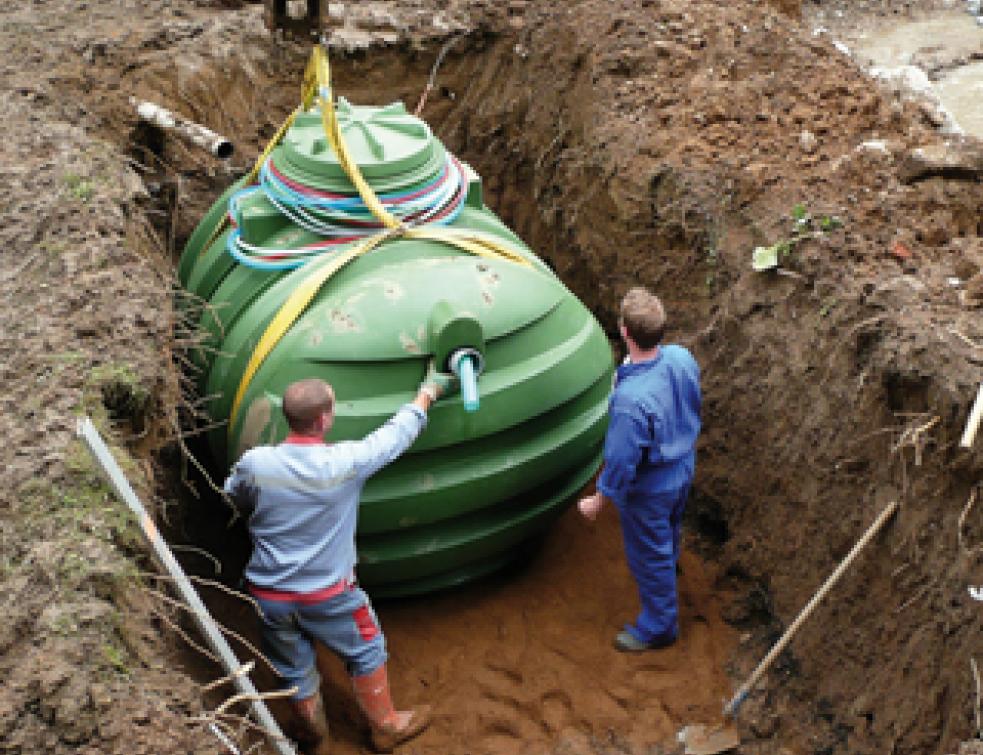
(311, 730)
(626, 642)
(389, 726)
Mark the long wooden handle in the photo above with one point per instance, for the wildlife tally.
(973, 423)
(731, 708)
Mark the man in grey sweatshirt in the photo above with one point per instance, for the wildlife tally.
(302, 497)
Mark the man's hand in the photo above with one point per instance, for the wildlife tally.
(591, 505)
(438, 384)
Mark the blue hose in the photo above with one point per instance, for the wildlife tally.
(469, 383)
(341, 219)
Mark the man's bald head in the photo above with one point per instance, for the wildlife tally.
(304, 402)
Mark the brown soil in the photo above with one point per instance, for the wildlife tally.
(523, 662)
(652, 141)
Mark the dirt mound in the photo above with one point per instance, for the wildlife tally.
(652, 141)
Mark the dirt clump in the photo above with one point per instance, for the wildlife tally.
(640, 141)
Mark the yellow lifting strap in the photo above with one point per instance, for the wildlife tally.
(292, 308)
(307, 90)
(329, 121)
(317, 85)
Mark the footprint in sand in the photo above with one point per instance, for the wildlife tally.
(556, 710)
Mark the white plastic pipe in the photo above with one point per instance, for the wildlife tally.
(190, 131)
(973, 423)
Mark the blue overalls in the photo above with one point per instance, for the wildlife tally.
(649, 459)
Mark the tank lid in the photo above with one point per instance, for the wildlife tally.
(392, 148)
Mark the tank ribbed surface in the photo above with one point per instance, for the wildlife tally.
(475, 486)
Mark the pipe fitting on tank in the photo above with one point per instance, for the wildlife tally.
(458, 344)
(467, 364)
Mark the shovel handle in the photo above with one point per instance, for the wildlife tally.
(730, 709)
(973, 423)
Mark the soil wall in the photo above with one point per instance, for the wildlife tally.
(664, 156)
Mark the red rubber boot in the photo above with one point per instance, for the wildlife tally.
(390, 727)
(312, 729)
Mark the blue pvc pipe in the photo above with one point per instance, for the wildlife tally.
(469, 383)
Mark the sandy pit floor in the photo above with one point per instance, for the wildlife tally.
(525, 663)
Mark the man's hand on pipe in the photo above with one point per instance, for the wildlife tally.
(437, 384)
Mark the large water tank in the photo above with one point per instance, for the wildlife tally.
(476, 485)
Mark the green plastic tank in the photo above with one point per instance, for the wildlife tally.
(478, 483)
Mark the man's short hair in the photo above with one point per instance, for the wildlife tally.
(303, 403)
(644, 317)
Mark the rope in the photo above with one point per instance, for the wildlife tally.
(368, 221)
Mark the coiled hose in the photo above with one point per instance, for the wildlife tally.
(340, 218)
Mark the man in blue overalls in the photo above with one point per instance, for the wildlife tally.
(649, 459)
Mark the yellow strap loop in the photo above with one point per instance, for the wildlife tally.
(308, 87)
(301, 296)
(317, 85)
(471, 243)
(329, 119)
(307, 91)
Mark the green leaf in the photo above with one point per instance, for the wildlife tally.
(765, 258)
(827, 307)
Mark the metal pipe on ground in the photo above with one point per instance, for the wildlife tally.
(87, 431)
(191, 132)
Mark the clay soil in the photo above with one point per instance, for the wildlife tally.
(638, 141)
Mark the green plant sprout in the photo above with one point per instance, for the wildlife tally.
(804, 226)
(81, 188)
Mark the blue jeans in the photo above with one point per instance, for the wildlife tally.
(345, 623)
(651, 525)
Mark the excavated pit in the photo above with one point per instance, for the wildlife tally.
(520, 661)
(821, 386)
